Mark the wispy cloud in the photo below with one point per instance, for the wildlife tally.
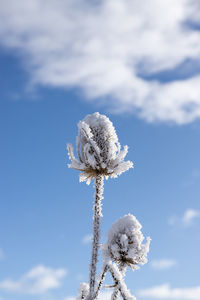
(163, 264)
(187, 219)
(189, 216)
(130, 53)
(37, 281)
(165, 291)
(87, 239)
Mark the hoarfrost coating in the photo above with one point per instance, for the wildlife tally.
(124, 244)
(83, 291)
(98, 149)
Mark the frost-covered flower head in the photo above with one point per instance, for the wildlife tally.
(98, 149)
(124, 244)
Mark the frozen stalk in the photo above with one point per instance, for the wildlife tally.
(118, 279)
(101, 280)
(116, 292)
(96, 230)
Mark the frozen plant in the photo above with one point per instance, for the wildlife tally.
(100, 156)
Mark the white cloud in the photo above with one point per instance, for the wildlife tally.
(103, 47)
(87, 239)
(161, 264)
(187, 219)
(37, 281)
(189, 216)
(103, 296)
(166, 292)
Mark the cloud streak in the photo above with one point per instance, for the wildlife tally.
(37, 281)
(187, 219)
(163, 264)
(165, 291)
(115, 51)
(189, 216)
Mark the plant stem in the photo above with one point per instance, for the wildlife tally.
(116, 292)
(118, 279)
(101, 280)
(99, 180)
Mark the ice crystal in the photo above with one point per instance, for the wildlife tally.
(98, 149)
(124, 244)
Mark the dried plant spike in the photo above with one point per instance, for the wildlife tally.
(98, 149)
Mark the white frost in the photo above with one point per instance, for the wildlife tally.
(83, 291)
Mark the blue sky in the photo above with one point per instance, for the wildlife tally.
(58, 65)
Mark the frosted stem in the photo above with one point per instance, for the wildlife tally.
(99, 180)
(101, 280)
(118, 279)
(116, 292)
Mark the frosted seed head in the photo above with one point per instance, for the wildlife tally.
(98, 149)
(124, 244)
